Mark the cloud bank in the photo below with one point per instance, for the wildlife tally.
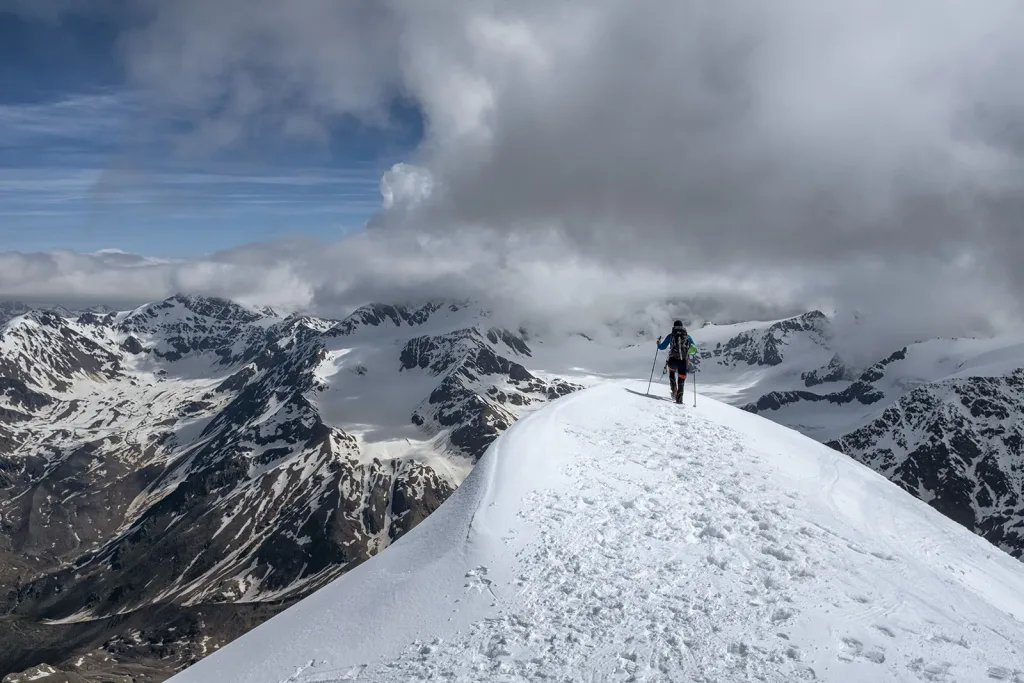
(587, 156)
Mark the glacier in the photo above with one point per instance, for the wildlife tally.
(616, 536)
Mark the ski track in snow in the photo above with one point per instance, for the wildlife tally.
(666, 545)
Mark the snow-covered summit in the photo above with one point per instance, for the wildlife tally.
(616, 536)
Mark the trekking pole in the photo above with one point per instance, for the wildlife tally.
(652, 370)
(695, 387)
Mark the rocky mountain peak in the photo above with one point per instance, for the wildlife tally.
(191, 326)
(767, 344)
(409, 315)
(190, 306)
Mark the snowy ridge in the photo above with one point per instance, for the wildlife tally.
(615, 536)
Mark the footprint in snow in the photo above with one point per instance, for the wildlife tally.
(476, 579)
(778, 553)
(354, 673)
(854, 649)
(943, 638)
(1001, 673)
(712, 531)
(720, 562)
(934, 671)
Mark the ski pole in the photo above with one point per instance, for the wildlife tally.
(652, 370)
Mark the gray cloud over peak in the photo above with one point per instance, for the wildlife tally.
(586, 154)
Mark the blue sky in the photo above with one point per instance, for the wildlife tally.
(84, 165)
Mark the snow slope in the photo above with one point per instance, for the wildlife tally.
(615, 536)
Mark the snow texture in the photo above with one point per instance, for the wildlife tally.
(613, 536)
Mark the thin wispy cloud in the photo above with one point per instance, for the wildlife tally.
(25, 189)
(77, 117)
(75, 164)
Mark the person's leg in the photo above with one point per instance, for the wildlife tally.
(677, 378)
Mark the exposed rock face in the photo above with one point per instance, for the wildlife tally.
(836, 371)
(376, 315)
(959, 446)
(766, 347)
(172, 461)
(482, 392)
(863, 390)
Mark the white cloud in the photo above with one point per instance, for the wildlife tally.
(404, 186)
(539, 281)
(121, 279)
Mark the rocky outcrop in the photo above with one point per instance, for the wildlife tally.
(959, 446)
(767, 346)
